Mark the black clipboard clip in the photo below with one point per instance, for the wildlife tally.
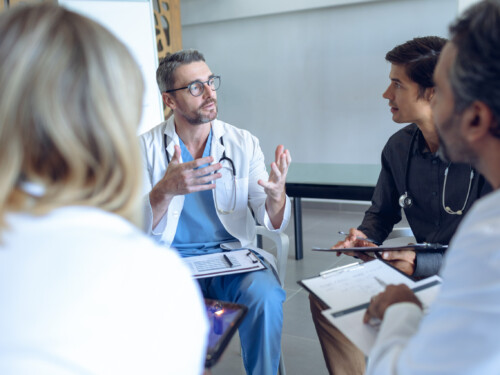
(252, 257)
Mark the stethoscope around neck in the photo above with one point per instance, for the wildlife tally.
(406, 201)
(224, 158)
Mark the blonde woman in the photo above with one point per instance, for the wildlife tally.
(82, 290)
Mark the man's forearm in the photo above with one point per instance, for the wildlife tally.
(159, 205)
(375, 226)
(276, 210)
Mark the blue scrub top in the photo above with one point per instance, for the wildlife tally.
(200, 230)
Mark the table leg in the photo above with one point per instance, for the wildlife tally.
(297, 217)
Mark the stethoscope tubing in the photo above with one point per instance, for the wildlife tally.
(406, 201)
(223, 157)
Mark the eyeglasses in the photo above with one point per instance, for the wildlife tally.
(197, 88)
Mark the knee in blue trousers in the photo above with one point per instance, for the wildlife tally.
(260, 331)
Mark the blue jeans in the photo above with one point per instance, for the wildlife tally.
(260, 331)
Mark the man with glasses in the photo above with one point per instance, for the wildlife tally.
(202, 175)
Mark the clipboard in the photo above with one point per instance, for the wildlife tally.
(347, 291)
(418, 247)
(224, 263)
(224, 318)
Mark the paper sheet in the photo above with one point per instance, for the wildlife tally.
(354, 285)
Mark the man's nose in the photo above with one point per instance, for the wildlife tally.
(208, 92)
(387, 94)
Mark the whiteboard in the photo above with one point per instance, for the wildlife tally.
(131, 22)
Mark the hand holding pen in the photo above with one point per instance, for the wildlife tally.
(391, 295)
(355, 238)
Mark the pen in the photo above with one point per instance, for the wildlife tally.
(381, 282)
(361, 238)
(375, 322)
(227, 260)
(323, 273)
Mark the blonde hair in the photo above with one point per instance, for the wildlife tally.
(70, 105)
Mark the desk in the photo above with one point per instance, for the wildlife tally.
(327, 181)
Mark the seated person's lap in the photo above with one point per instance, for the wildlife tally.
(245, 288)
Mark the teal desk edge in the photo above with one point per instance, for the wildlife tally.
(333, 174)
(327, 181)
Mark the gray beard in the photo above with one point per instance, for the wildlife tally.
(198, 118)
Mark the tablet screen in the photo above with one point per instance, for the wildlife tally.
(224, 319)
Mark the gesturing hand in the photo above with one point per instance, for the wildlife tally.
(275, 186)
(392, 294)
(184, 178)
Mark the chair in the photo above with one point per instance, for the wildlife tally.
(281, 243)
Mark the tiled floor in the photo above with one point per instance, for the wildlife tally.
(300, 345)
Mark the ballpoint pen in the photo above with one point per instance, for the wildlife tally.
(341, 268)
(381, 282)
(361, 238)
(228, 260)
(375, 322)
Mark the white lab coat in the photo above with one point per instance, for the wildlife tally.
(459, 335)
(243, 148)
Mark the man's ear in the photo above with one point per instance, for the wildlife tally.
(477, 121)
(168, 100)
(429, 93)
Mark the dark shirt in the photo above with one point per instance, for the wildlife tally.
(420, 173)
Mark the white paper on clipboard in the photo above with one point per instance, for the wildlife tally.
(224, 263)
(350, 321)
(350, 286)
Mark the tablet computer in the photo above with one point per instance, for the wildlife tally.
(224, 319)
(418, 247)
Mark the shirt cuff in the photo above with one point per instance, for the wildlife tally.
(286, 218)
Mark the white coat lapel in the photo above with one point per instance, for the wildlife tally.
(170, 139)
(218, 147)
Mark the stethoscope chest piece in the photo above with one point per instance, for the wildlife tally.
(405, 201)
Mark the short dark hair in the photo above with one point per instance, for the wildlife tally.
(419, 56)
(165, 72)
(475, 73)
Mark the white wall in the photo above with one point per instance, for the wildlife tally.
(309, 73)
(464, 4)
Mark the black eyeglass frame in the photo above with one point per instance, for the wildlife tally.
(212, 78)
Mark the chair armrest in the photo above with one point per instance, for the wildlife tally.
(282, 244)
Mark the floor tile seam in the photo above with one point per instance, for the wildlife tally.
(291, 290)
(313, 340)
(293, 295)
